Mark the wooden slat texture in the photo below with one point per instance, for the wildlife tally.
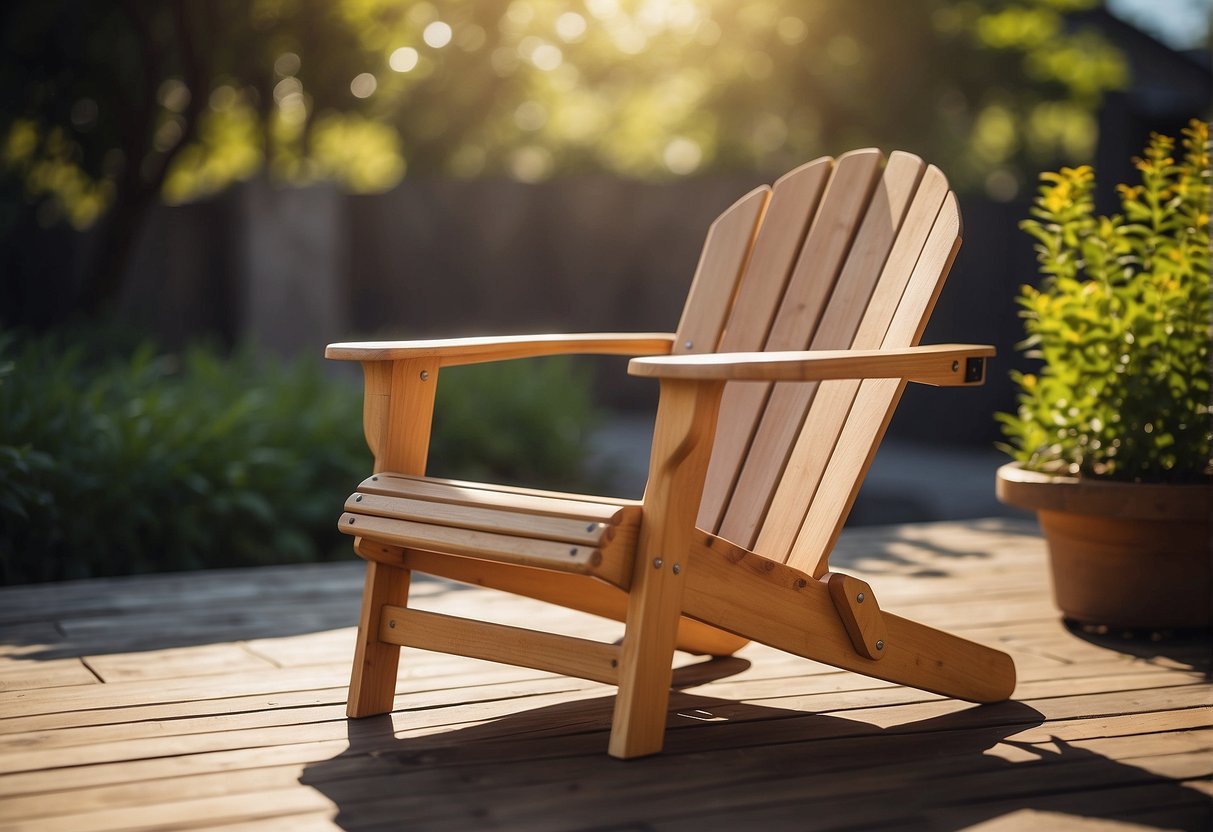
(840, 320)
(820, 261)
(725, 252)
(876, 400)
(531, 501)
(1104, 733)
(831, 407)
(481, 519)
(611, 560)
(881, 228)
(793, 203)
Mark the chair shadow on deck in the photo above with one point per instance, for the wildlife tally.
(730, 764)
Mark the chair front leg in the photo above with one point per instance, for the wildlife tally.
(398, 407)
(373, 676)
(682, 444)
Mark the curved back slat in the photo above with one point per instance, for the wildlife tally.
(818, 264)
(793, 203)
(875, 401)
(839, 253)
(725, 253)
(842, 311)
(831, 408)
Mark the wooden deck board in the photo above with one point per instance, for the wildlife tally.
(215, 700)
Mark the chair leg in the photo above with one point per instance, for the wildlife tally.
(682, 444)
(646, 663)
(373, 677)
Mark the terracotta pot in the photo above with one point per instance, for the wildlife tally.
(1132, 555)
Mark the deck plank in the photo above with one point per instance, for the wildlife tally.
(192, 702)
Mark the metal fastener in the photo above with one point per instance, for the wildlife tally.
(591, 527)
(657, 563)
(573, 552)
(351, 521)
(676, 569)
(955, 366)
(425, 375)
(391, 624)
(358, 499)
(879, 645)
(688, 344)
(374, 479)
(859, 598)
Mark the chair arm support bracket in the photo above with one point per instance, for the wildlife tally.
(860, 613)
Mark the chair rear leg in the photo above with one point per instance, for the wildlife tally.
(373, 677)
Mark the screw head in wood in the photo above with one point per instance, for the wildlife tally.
(591, 527)
(425, 375)
(573, 552)
(859, 598)
(657, 563)
(955, 366)
(676, 569)
(358, 499)
(688, 344)
(879, 645)
(391, 623)
(351, 521)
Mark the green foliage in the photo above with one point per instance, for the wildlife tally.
(108, 108)
(199, 95)
(158, 462)
(525, 421)
(164, 463)
(1121, 322)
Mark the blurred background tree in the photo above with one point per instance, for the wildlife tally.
(106, 108)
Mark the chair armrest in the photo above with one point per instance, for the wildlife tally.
(449, 352)
(947, 365)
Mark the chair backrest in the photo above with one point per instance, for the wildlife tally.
(845, 253)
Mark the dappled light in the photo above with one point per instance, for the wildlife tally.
(598, 524)
(359, 92)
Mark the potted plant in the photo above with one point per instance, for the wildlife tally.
(1111, 440)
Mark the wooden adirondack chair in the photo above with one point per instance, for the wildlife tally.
(815, 292)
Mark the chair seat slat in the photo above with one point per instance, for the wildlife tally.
(523, 500)
(610, 560)
(578, 531)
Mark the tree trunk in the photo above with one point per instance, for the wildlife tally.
(113, 248)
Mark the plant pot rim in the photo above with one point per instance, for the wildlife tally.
(1189, 502)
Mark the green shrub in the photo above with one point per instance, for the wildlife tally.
(1121, 322)
(160, 462)
(525, 422)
